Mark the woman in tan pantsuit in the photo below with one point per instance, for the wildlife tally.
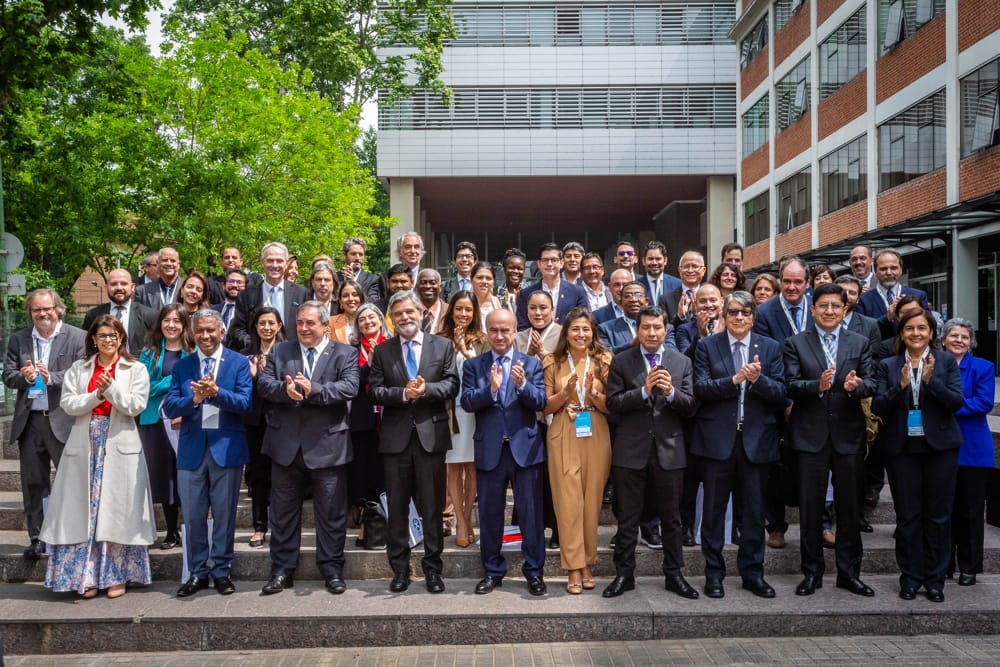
(575, 375)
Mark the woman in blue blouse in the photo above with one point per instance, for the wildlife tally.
(975, 459)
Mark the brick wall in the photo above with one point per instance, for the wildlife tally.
(976, 20)
(751, 77)
(916, 197)
(794, 242)
(843, 106)
(756, 254)
(980, 174)
(844, 223)
(824, 8)
(754, 167)
(791, 35)
(792, 141)
(912, 58)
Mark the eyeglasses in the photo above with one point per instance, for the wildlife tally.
(236, 282)
(106, 336)
(549, 260)
(692, 267)
(626, 253)
(465, 255)
(633, 296)
(733, 312)
(827, 305)
(45, 309)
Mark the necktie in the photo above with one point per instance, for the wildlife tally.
(738, 364)
(227, 313)
(425, 321)
(310, 360)
(119, 311)
(794, 310)
(656, 290)
(711, 327)
(274, 297)
(463, 284)
(831, 353)
(506, 374)
(207, 366)
(411, 360)
(168, 293)
(890, 297)
(653, 358)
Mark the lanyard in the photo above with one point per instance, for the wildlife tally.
(796, 326)
(915, 381)
(581, 385)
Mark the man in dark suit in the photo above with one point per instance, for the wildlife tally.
(36, 360)
(466, 257)
(158, 293)
(409, 251)
(855, 321)
(861, 267)
(428, 288)
(879, 303)
(650, 390)
(414, 377)
(828, 370)
(739, 382)
(613, 309)
(218, 285)
(135, 317)
(235, 281)
(309, 385)
(565, 295)
(656, 281)
(679, 301)
(210, 391)
(505, 388)
(275, 291)
(618, 334)
(354, 259)
(707, 320)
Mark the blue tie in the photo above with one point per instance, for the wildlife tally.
(274, 297)
(411, 360)
(227, 314)
(794, 310)
(207, 365)
(310, 359)
(506, 374)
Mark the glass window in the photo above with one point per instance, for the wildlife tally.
(753, 43)
(842, 54)
(794, 201)
(791, 96)
(898, 19)
(980, 109)
(844, 175)
(912, 143)
(756, 225)
(784, 10)
(756, 130)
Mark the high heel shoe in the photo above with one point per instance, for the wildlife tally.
(472, 536)
(461, 542)
(588, 582)
(258, 539)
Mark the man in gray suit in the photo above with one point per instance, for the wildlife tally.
(36, 360)
(309, 384)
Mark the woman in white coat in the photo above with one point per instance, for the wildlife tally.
(100, 521)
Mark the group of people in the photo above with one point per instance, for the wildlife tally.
(570, 390)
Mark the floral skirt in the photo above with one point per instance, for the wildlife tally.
(78, 567)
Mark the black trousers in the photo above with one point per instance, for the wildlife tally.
(967, 519)
(257, 476)
(38, 450)
(630, 492)
(418, 474)
(848, 477)
(329, 495)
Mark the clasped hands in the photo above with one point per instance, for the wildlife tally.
(516, 375)
(298, 387)
(204, 388)
(749, 372)
(659, 377)
(851, 382)
(907, 371)
(30, 371)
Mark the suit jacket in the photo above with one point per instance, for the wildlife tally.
(450, 286)
(837, 414)
(150, 294)
(68, 347)
(217, 286)
(247, 304)
(217, 307)
(872, 304)
(319, 424)
(653, 424)
(228, 443)
(668, 284)
(383, 287)
(670, 302)
(140, 320)
(570, 296)
(616, 334)
(605, 313)
(940, 399)
(512, 414)
(867, 327)
(772, 322)
(978, 387)
(428, 415)
(714, 434)
(369, 285)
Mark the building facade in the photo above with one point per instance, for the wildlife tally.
(586, 120)
(875, 122)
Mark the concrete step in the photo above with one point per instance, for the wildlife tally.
(879, 558)
(36, 621)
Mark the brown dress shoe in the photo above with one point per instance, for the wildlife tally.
(776, 540)
(829, 539)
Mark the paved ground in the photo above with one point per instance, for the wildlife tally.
(923, 650)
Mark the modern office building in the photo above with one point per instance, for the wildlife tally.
(875, 122)
(587, 120)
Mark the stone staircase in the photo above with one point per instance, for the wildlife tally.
(34, 620)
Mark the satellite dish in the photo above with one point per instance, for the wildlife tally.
(15, 251)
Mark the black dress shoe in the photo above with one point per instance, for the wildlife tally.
(224, 586)
(554, 542)
(536, 586)
(192, 586)
(618, 587)
(855, 585)
(935, 595)
(758, 587)
(651, 539)
(336, 584)
(907, 593)
(864, 526)
(434, 583)
(400, 583)
(809, 584)
(714, 589)
(966, 580)
(678, 584)
(487, 584)
(35, 550)
(688, 537)
(278, 583)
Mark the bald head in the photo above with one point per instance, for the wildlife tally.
(617, 281)
(501, 328)
(120, 287)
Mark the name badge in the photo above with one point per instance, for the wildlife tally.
(584, 429)
(914, 423)
(37, 390)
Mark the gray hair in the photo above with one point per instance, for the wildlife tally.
(433, 272)
(208, 313)
(573, 245)
(274, 244)
(403, 295)
(354, 240)
(363, 308)
(965, 324)
(324, 314)
(57, 301)
(409, 234)
(743, 298)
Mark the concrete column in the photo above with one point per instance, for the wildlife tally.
(400, 207)
(964, 297)
(720, 216)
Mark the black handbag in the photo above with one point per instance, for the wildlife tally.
(376, 529)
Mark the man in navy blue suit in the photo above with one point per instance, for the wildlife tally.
(505, 389)
(618, 334)
(656, 281)
(210, 391)
(739, 382)
(565, 295)
(879, 303)
(613, 309)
